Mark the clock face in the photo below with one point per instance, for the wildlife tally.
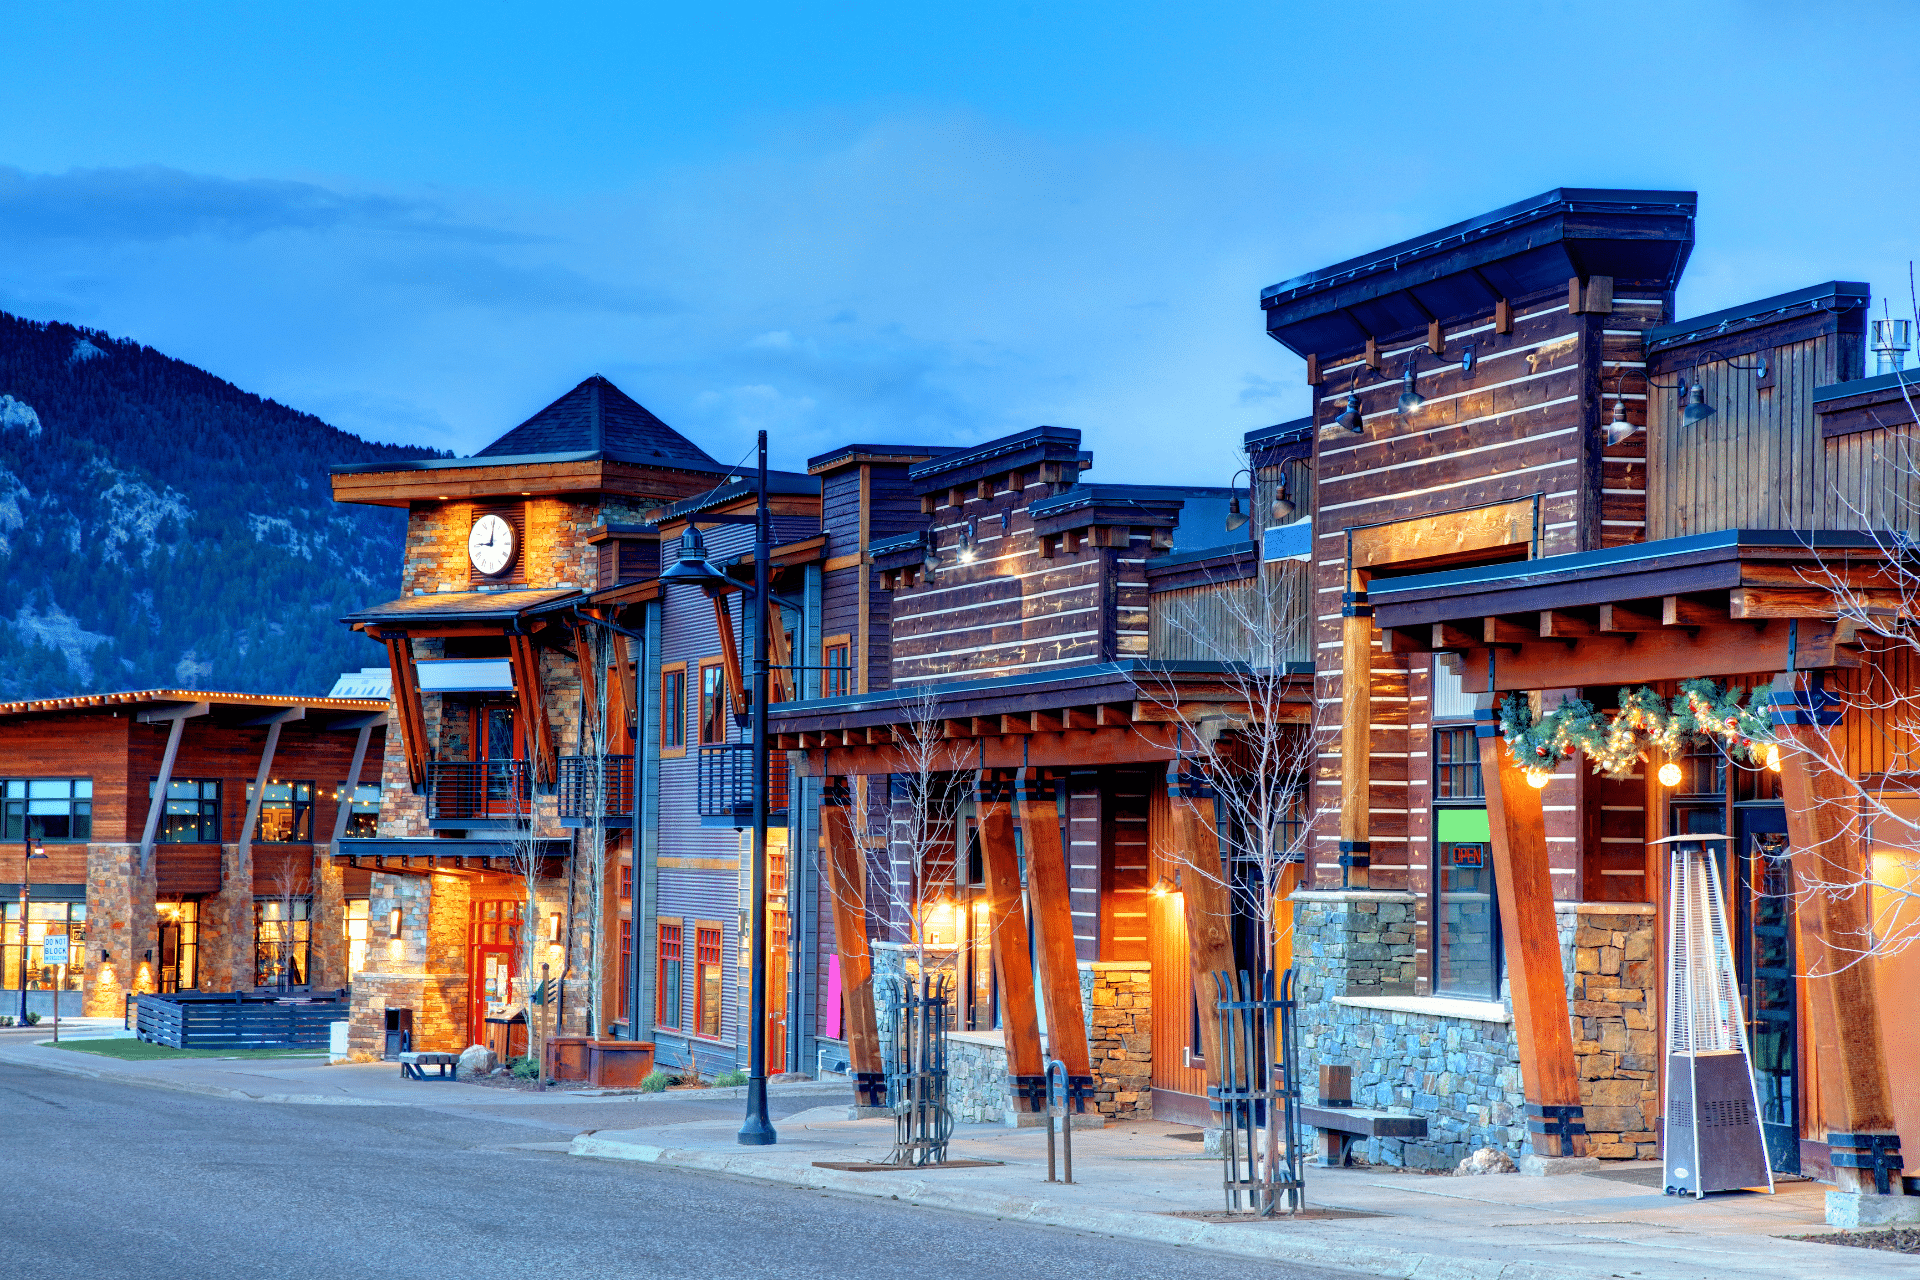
(490, 545)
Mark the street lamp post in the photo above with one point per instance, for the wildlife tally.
(27, 854)
(694, 570)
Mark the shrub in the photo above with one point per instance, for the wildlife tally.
(524, 1068)
(656, 1082)
(729, 1079)
(33, 1019)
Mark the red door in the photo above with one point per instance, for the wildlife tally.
(492, 961)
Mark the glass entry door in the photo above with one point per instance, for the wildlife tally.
(492, 961)
(1765, 890)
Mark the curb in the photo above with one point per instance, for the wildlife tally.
(1267, 1244)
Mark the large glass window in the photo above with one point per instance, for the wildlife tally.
(46, 809)
(626, 964)
(286, 813)
(668, 1014)
(356, 936)
(363, 820)
(707, 991)
(281, 939)
(45, 919)
(192, 815)
(673, 708)
(713, 705)
(179, 957)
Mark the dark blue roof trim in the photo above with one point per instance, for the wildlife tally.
(1519, 571)
(1545, 205)
(1085, 495)
(1280, 433)
(780, 482)
(1064, 675)
(1834, 295)
(1866, 386)
(821, 462)
(1038, 437)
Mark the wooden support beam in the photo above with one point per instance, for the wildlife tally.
(524, 661)
(1373, 354)
(1016, 723)
(622, 700)
(589, 684)
(343, 810)
(1447, 637)
(1567, 624)
(1007, 926)
(985, 727)
(846, 888)
(1806, 602)
(730, 654)
(1505, 631)
(1047, 722)
(1673, 653)
(1502, 316)
(1436, 340)
(780, 668)
(1109, 714)
(1523, 882)
(1356, 741)
(1051, 902)
(1206, 902)
(1408, 639)
(1079, 717)
(962, 728)
(879, 736)
(410, 714)
(1313, 370)
(1833, 925)
(1702, 610)
(1627, 617)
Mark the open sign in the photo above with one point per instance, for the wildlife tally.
(1469, 855)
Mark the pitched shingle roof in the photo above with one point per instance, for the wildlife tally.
(597, 417)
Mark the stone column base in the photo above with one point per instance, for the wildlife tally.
(1865, 1209)
(868, 1113)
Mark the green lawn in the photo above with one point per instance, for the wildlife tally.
(130, 1050)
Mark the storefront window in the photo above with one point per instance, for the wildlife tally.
(46, 809)
(286, 813)
(193, 812)
(44, 919)
(1466, 916)
(707, 982)
(356, 936)
(281, 934)
(179, 958)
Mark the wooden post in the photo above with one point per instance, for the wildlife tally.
(1047, 890)
(846, 891)
(620, 701)
(1007, 926)
(531, 690)
(1834, 927)
(730, 654)
(407, 708)
(1206, 901)
(1524, 882)
(1356, 730)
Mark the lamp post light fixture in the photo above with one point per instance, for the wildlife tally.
(695, 570)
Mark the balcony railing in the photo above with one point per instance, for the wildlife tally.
(596, 786)
(479, 790)
(726, 787)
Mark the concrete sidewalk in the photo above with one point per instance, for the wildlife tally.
(1134, 1179)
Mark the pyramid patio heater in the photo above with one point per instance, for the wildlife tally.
(1713, 1137)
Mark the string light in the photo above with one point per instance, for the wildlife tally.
(1538, 778)
(1669, 774)
(1773, 756)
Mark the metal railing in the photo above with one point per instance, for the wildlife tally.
(479, 789)
(590, 783)
(1258, 1097)
(726, 784)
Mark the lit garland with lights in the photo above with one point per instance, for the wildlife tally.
(1647, 726)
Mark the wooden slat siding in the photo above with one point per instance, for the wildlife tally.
(1007, 925)
(1623, 471)
(1086, 852)
(1614, 857)
(97, 746)
(1760, 461)
(713, 896)
(1013, 608)
(1548, 1073)
(1421, 854)
(1208, 907)
(1050, 900)
(270, 861)
(1203, 623)
(892, 509)
(186, 869)
(1167, 949)
(1389, 775)
(1126, 867)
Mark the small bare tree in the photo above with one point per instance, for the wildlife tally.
(284, 927)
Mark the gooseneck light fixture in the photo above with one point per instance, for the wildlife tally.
(1410, 397)
(1619, 430)
(1350, 416)
(1694, 393)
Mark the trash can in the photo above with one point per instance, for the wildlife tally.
(399, 1032)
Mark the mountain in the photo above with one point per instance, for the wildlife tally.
(160, 527)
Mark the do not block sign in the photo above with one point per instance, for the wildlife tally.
(54, 949)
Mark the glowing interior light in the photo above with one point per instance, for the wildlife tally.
(1669, 774)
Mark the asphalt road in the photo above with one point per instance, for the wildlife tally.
(114, 1182)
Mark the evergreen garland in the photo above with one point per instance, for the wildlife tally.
(1646, 725)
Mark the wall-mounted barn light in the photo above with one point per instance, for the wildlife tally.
(1695, 393)
(1410, 397)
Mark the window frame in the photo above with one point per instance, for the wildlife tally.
(25, 800)
(354, 809)
(723, 714)
(217, 802)
(673, 711)
(298, 807)
(1458, 764)
(701, 940)
(669, 952)
(626, 967)
(301, 941)
(844, 644)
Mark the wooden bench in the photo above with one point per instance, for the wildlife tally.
(410, 1064)
(1339, 1126)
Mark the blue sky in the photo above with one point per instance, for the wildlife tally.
(882, 222)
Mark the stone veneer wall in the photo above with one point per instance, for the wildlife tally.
(120, 921)
(1463, 1073)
